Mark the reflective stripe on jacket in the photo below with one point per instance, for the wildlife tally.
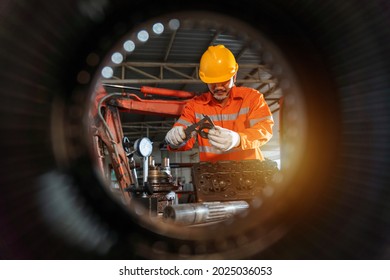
(246, 113)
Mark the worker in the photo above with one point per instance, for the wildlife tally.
(242, 119)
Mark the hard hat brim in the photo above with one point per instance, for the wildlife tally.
(219, 79)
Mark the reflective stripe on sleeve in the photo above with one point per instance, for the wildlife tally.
(225, 117)
(184, 122)
(255, 121)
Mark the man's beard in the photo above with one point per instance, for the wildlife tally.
(220, 97)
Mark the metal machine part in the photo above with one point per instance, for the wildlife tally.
(199, 213)
(161, 180)
(159, 177)
(200, 127)
(232, 180)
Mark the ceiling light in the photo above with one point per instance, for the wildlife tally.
(117, 58)
(158, 28)
(143, 35)
(174, 24)
(107, 72)
(129, 46)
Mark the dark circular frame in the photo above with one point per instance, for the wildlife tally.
(338, 55)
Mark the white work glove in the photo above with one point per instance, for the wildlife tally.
(223, 139)
(175, 136)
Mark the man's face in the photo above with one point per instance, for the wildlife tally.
(221, 90)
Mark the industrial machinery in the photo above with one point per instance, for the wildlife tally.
(221, 189)
(115, 153)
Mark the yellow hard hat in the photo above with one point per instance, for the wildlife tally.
(217, 65)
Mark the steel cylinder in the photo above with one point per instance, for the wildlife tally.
(198, 213)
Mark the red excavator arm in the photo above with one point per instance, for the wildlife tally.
(107, 128)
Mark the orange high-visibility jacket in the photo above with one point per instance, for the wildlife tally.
(246, 113)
